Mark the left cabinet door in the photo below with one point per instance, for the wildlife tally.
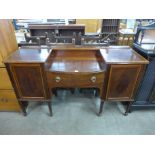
(28, 80)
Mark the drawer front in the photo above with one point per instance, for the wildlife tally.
(8, 101)
(74, 79)
(5, 82)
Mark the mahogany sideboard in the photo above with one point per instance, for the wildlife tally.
(116, 71)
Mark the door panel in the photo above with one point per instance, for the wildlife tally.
(29, 81)
(122, 81)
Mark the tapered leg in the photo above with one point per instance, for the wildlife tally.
(96, 92)
(128, 108)
(50, 108)
(23, 107)
(101, 108)
(55, 92)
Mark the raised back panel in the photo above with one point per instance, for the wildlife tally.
(122, 81)
(29, 81)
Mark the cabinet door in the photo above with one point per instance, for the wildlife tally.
(29, 81)
(122, 82)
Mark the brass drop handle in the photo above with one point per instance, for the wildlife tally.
(57, 79)
(93, 79)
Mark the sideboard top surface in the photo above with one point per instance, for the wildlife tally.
(122, 56)
(28, 56)
(111, 55)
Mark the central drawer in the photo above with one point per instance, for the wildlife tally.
(60, 79)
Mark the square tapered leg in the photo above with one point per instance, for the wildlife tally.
(128, 108)
(101, 108)
(50, 108)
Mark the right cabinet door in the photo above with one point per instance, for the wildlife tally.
(123, 79)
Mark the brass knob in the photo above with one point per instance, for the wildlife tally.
(93, 79)
(57, 79)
